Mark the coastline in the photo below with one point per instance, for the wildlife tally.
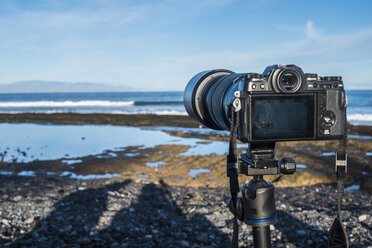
(319, 167)
(126, 120)
(163, 203)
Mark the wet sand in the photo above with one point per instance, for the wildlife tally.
(174, 168)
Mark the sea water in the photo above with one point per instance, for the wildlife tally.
(158, 103)
(28, 142)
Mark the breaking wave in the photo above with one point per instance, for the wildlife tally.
(33, 104)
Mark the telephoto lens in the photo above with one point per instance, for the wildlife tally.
(208, 96)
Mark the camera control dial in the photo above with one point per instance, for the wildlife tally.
(327, 119)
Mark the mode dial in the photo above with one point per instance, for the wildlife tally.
(332, 78)
(253, 75)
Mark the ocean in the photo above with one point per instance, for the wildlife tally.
(158, 103)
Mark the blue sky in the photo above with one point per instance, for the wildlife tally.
(160, 45)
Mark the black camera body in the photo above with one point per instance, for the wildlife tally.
(281, 104)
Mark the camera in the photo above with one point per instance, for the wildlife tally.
(281, 104)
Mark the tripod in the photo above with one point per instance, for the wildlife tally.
(256, 206)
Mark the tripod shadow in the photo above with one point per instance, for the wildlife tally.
(155, 220)
(152, 220)
(74, 218)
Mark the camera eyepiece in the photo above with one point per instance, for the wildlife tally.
(287, 80)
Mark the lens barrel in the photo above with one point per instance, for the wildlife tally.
(207, 97)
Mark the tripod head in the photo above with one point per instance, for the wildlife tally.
(256, 206)
(259, 160)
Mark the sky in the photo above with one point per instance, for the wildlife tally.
(160, 45)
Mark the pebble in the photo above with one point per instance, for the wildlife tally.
(83, 241)
(184, 243)
(362, 218)
(301, 233)
(46, 210)
(202, 238)
(29, 220)
(157, 215)
(17, 198)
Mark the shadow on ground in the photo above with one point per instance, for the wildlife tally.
(152, 220)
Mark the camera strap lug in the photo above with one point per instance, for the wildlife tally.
(341, 162)
(237, 105)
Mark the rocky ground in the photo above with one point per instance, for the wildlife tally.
(48, 211)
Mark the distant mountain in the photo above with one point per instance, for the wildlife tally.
(38, 86)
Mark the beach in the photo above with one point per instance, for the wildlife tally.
(90, 152)
(166, 158)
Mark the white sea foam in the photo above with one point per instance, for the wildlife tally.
(359, 117)
(98, 111)
(33, 104)
(151, 111)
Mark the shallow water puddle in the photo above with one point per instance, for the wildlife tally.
(155, 164)
(71, 161)
(194, 172)
(301, 166)
(326, 154)
(143, 176)
(29, 142)
(89, 176)
(353, 187)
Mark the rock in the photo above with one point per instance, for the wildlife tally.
(310, 242)
(301, 233)
(83, 241)
(35, 235)
(366, 184)
(29, 220)
(289, 245)
(362, 218)
(5, 222)
(17, 198)
(202, 238)
(184, 243)
(46, 210)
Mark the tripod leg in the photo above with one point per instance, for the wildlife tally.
(261, 237)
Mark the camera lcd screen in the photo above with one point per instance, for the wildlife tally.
(282, 117)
